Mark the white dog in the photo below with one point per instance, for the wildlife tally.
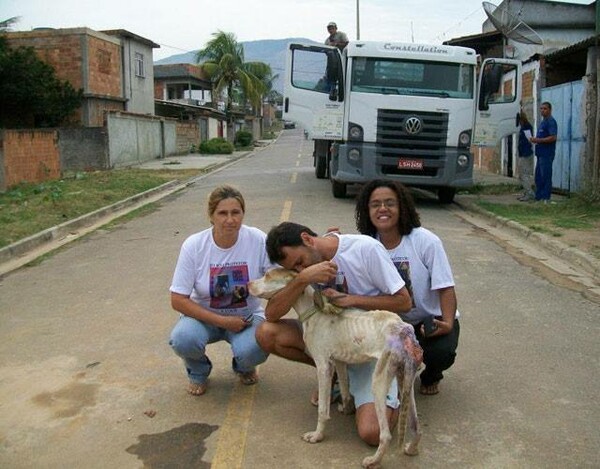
(355, 336)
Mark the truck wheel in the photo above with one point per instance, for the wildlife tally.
(338, 189)
(321, 167)
(446, 195)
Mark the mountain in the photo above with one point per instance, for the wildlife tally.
(269, 51)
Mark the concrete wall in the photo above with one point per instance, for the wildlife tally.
(139, 89)
(170, 137)
(213, 128)
(134, 139)
(83, 149)
(37, 155)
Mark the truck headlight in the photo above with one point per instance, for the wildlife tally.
(464, 139)
(355, 132)
(462, 160)
(354, 155)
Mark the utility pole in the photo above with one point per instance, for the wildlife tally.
(357, 20)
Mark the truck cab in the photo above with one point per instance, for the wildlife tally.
(394, 111)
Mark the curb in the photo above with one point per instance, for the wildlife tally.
(570, 254)
(17, 254)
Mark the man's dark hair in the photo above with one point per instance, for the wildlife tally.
(408, 216)
(547, 103)
(286, 234)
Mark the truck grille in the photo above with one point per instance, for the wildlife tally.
(395, 141)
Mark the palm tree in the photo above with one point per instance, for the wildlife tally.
(223, 61)
(5, 25)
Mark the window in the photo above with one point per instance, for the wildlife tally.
(139, 65)
(309, 70)
(412, 77)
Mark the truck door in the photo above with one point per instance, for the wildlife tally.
(498, 101)
(314, 90)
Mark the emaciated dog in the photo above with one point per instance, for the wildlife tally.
(355, 336)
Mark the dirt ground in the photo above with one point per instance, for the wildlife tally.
(587, 241)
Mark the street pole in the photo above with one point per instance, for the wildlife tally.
(357, 20)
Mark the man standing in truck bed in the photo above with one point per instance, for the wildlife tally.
(336, 38)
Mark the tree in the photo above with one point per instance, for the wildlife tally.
(30, 93)
(223, 61)
(5, 25)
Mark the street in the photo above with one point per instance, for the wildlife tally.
(87, 378)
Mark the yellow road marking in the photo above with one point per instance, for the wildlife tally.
(293, 178)
(231, 445)
(234, 430)
(287, 210)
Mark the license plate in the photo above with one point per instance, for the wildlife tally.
(405, 163)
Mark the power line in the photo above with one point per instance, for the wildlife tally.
(442, 35)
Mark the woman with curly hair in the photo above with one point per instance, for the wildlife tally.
(385, 210)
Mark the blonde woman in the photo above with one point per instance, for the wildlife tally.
(209, 290)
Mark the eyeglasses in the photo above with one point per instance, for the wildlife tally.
(388, 203)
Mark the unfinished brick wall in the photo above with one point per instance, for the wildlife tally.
(30, 156)
(62, 51)
(104, 67)
(188, 134)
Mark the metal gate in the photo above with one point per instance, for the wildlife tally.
(568, 109)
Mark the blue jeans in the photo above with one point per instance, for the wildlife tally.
(543, 178)
(190, 337)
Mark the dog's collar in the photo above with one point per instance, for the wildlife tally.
(308, 313)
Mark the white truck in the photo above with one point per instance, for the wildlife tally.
(398, 111)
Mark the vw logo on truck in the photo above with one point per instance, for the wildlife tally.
(413, 125)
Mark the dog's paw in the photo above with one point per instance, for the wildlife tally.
(371, 462)
(312, 437)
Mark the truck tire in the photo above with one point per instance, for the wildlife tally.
(446, 195)
(321, 166)
(338, 189)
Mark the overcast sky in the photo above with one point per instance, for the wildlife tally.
(184, 25)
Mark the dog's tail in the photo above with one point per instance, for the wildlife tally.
(406, 357)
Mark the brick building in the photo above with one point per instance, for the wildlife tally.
(114, 68)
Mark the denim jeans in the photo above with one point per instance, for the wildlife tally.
(190, 337)
(543, 178)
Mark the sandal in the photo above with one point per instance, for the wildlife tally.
(429, 390)
(248, 378)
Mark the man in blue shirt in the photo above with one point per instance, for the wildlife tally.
(545, 149)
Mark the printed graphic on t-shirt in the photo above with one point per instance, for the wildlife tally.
(338, 284)
(403, 267)
(229, 286)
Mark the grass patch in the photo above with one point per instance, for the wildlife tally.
(491, 189)
(570, 214)
(27, 209)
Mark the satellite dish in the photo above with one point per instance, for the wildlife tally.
(510, 25)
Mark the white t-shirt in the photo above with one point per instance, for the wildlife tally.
(422, 262)
(364, 267)
(217, 278)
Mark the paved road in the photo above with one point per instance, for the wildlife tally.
(84, 360)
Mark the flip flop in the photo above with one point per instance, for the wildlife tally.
(429, 390)
(248, 378)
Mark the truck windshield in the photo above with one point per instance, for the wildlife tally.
(412, 77)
